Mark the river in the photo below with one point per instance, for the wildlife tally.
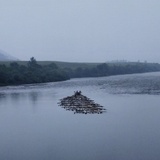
(34, 127)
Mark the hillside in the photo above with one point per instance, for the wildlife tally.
(6, 57)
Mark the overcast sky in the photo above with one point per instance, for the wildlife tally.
(81, 30)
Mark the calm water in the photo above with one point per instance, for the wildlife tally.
(34, 127)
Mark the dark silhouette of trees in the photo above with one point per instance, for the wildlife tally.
(16, 74)
(113, 69)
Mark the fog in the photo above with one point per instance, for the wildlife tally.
(81, 31)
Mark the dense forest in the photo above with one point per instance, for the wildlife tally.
(31, 73)
(105, 69)
(16, 73)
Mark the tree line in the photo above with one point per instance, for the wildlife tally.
(15, 74)
(112, 69)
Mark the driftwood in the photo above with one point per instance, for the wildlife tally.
(79, 103)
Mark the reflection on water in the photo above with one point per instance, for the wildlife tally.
(34, 96)
(18, 96)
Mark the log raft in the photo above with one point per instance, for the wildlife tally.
(79, 103)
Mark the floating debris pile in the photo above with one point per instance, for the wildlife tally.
(79, 103)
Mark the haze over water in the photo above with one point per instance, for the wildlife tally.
(33, 126)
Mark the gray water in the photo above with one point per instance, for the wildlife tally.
(34, 127)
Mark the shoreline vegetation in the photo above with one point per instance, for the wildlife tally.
(32, 71)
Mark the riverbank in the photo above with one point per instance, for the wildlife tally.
(32, 71)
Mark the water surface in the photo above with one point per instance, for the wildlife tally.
(33, 126)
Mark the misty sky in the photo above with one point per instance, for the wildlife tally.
(81, 30)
